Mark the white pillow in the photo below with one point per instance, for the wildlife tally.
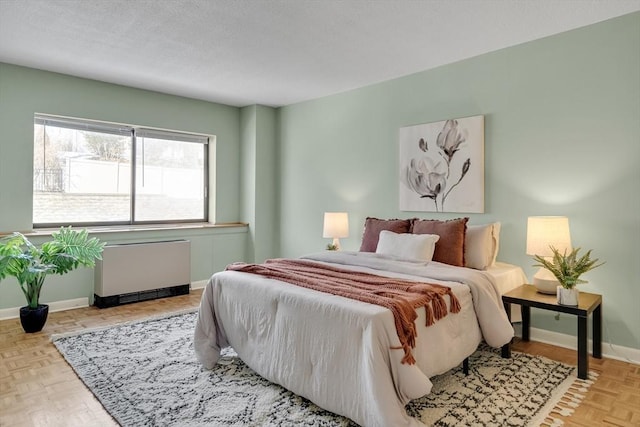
(407, 246)
(481, 244)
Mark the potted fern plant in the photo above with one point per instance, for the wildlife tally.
(30, 265)
(568, 269)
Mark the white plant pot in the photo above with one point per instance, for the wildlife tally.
(567, 296)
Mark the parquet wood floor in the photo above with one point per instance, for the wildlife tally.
(38, 388)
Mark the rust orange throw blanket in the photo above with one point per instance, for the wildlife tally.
(402, 297)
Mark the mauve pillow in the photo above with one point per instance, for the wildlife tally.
(450, 247)
(373, 227)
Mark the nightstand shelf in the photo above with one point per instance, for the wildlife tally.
(527, 296)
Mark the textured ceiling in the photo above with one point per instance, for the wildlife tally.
(273, 52)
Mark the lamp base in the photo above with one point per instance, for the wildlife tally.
(336, 243)
(545, 282)
(546, 286)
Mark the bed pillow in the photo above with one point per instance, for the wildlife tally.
(481, 245)
(407, 246)
(373, 227)
(450, 247)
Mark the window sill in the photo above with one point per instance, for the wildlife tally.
(147, 227)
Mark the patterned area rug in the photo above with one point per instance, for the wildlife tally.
(146, 373)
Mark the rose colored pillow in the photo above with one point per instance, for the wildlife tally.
(450, 247)
(373, 227)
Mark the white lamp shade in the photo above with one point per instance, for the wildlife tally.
(546, 231)
(336, 225)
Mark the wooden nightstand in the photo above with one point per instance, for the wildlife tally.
(527, 296)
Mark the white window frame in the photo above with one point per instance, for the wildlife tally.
(134, 132)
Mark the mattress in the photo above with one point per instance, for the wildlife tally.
(340, 353)
(508, 277)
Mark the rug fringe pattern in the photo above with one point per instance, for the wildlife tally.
(571, 399)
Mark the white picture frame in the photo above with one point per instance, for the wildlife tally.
(442, 166)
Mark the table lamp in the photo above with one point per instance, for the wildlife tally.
(542, 233)
(336, 226)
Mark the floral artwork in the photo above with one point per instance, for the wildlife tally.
(442, 166)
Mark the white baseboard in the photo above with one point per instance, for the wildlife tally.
(611, 351)
(199, 284)
(13, 313)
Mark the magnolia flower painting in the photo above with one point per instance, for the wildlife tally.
(442, 166)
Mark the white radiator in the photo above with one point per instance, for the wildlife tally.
(141, 271)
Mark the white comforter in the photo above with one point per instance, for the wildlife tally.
(337, 352)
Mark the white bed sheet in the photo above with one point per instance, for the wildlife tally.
(508, 277)
(337, 352)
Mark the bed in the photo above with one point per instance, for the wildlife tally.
(344, 355)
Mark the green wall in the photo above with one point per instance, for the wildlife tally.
(259, 207)
(562, 137)
(25, 91)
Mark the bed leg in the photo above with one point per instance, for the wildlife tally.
(465, 366)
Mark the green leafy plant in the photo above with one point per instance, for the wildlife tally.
(332, 247)
(31, 264)
(568, 268)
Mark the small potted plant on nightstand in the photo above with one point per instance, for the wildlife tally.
(568, 269)
(31, 264)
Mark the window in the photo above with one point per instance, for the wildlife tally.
(87, 172)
